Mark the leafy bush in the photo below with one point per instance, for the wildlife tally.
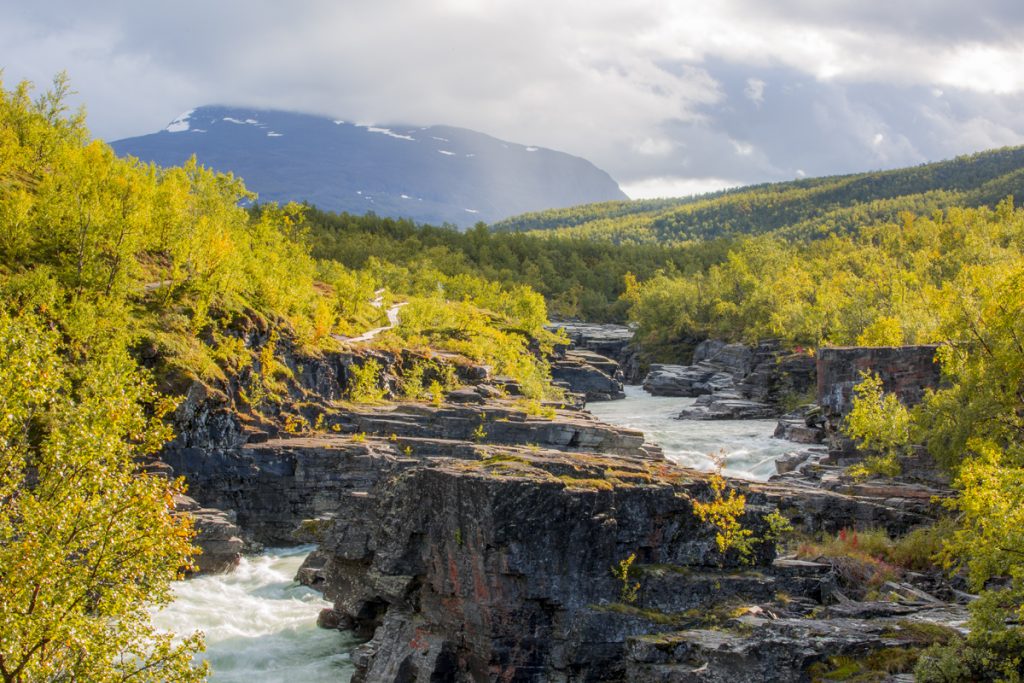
(724, 512)
(365, 384)
(880, 425)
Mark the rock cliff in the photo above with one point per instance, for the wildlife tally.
(735, 381)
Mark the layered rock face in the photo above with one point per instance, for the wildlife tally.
(615, 342)
(585, 372)
(498, 567)
(734, 381)
(608, 340)
(906, 371)
(274, 484)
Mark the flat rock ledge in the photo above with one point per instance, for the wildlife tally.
(726, 407)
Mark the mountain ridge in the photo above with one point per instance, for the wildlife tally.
(434, 174)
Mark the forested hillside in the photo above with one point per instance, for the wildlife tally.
(578, 277)
(801, 208)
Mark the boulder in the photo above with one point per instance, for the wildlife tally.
(467, 395)
(804, 425)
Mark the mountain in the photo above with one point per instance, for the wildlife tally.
(436, 174)
(801, 208)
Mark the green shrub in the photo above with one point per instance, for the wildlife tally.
(365, 382)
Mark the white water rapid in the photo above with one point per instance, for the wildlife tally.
(260, 625)
(747, 446)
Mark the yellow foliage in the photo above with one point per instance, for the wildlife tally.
(724, 512)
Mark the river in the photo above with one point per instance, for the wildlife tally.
(746, 447)
(261, 626)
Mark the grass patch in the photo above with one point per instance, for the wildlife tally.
(652, 615)
(628, 475)
(923, 633)
(497, 458)
(596, 484)
(918, 550)
(875, 666)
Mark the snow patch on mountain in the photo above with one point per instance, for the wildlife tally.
(179, 124)
(386, 131)
(344, 165)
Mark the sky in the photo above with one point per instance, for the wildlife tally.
(671, 97)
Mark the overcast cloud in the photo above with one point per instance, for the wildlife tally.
(669, 97)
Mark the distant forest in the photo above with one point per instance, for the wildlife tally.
(587, 260)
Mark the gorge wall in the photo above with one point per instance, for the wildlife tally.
(907, 371)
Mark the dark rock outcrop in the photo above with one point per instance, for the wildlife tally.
(906, 371)
(606, 339)
(726, 406)
(735, 359)
(591, 364)
(687, 380)
(616, 342)
(588, 373)
(500, 568)
(744, 382)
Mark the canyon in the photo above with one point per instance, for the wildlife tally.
(468, 540)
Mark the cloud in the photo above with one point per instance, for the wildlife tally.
(755, 90)
(663, 187)
(649, 90)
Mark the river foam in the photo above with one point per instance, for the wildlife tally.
(745, 447)
(260, 625)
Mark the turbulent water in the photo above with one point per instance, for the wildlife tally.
(260, 625)
(745, 446)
